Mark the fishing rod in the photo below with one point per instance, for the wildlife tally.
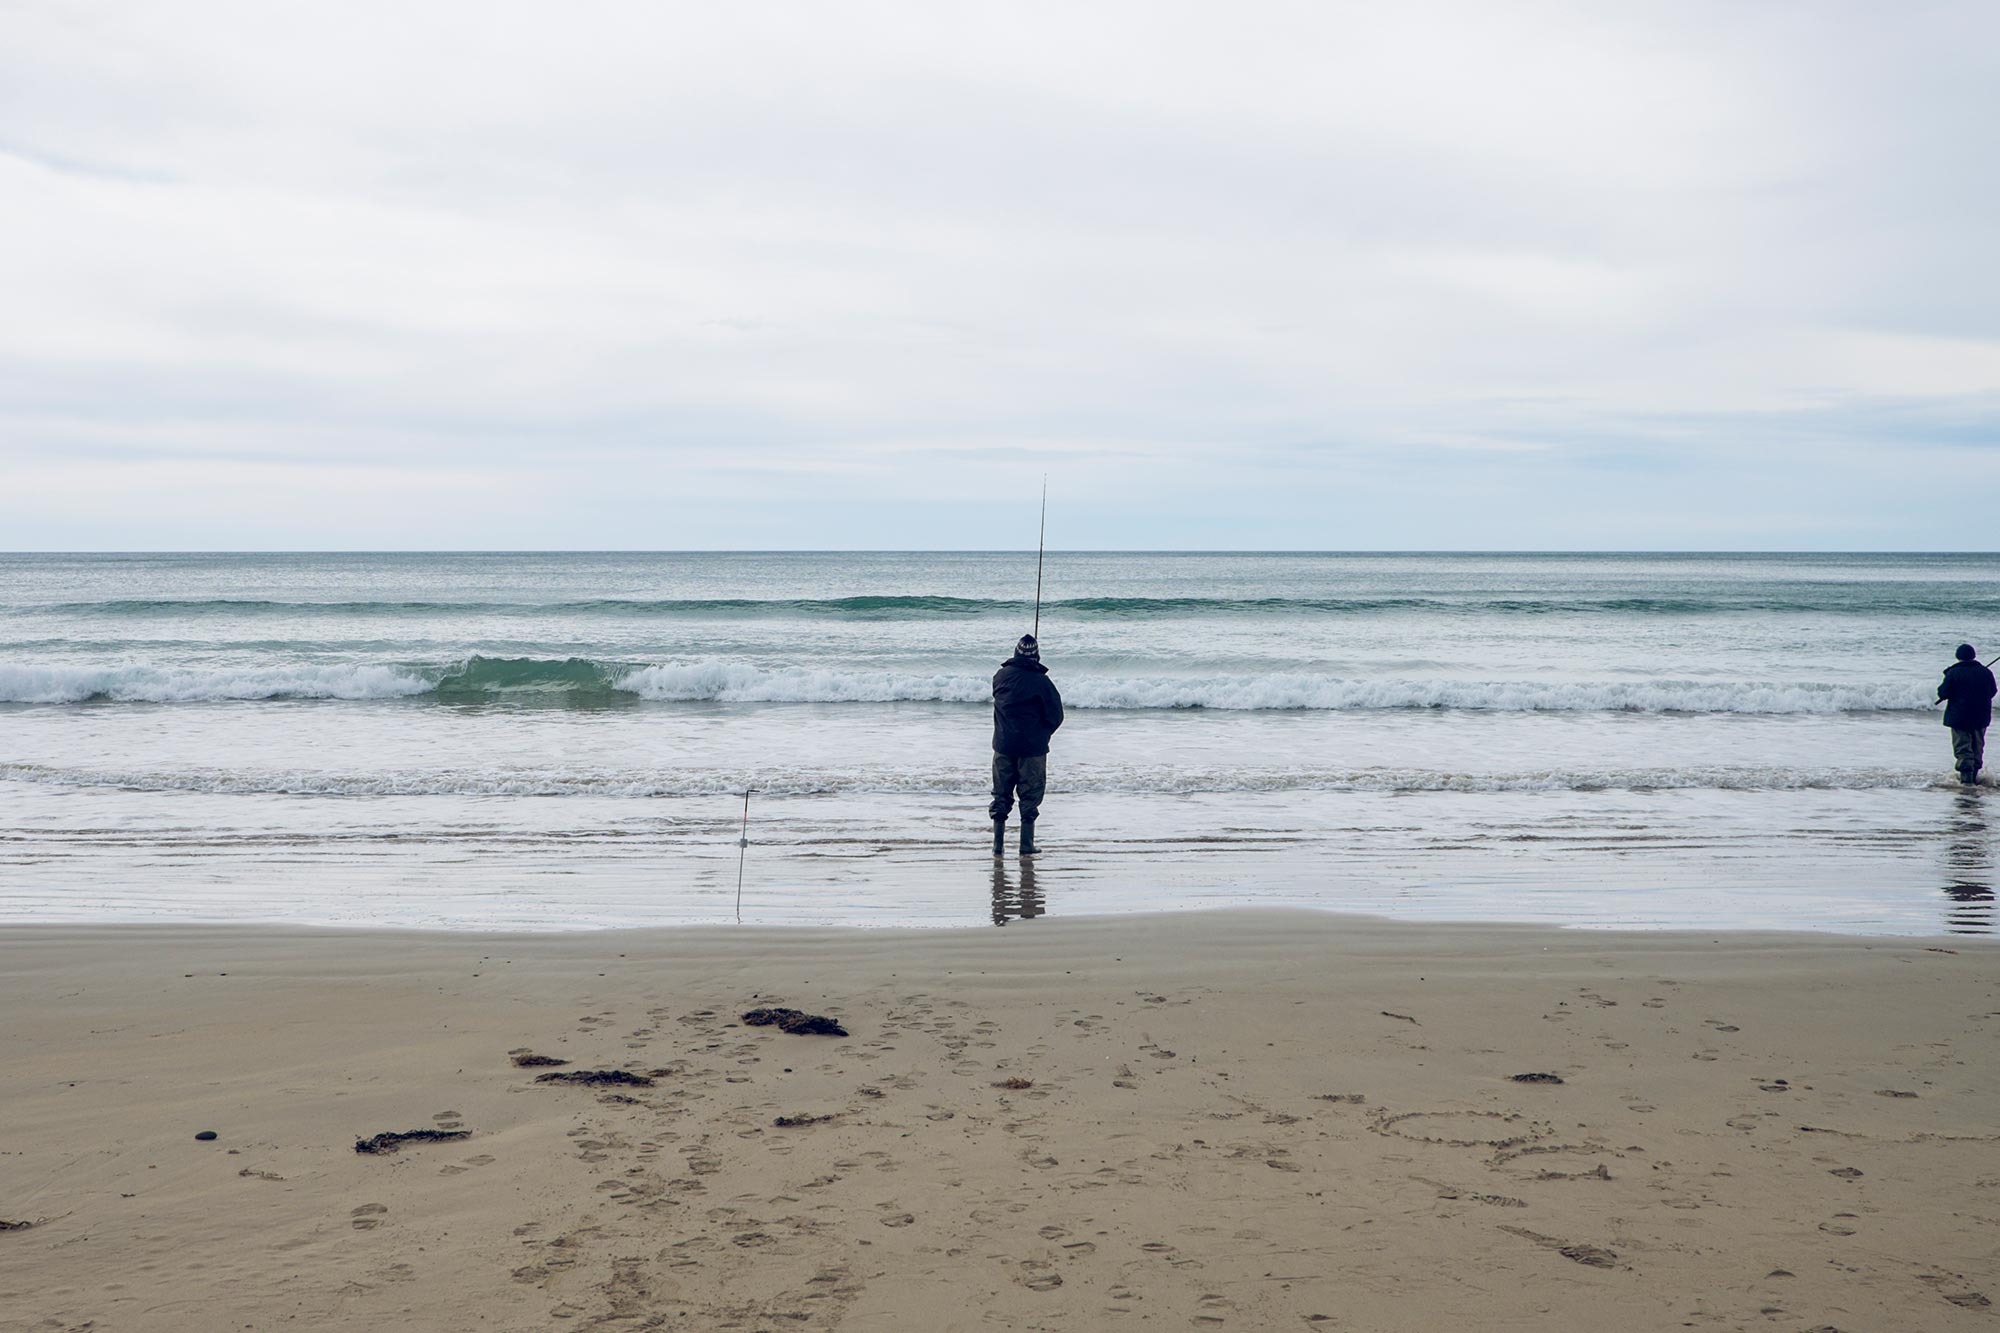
(1041, 545)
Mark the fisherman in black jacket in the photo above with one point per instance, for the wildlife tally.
(1967, 691)
(1026, 712)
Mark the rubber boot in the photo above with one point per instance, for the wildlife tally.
(999, 838)
(1028, 837)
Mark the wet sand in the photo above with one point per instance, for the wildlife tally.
(1254, 1120)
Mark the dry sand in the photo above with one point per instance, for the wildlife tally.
(1240, 1120)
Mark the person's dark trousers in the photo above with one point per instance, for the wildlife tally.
(1968, 755)
(1027, 774)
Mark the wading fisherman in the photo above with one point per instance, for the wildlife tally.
(1967, 693)
(1026, 712)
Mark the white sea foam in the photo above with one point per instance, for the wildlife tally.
(151, 684)
(738, 682)
(741, 682)
(966, 782)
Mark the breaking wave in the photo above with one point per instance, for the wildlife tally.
(582, 681)
(150, 684)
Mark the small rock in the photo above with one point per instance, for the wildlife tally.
(1536, 1078)
(206, 1136)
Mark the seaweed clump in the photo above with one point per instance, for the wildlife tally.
(598, 1078)
(795, 1021)
(389, 1142)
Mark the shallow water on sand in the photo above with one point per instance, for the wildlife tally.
(547, 742)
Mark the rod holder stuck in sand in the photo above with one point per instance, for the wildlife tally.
(742, 851)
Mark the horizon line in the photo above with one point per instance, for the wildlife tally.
(1002, 550)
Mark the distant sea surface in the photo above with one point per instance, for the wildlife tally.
(543, 741)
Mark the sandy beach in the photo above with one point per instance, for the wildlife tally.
(1256, 1120)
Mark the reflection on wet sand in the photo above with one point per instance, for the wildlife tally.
(1969, 866)
(1008, 904)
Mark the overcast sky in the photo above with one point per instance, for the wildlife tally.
(1319, 275)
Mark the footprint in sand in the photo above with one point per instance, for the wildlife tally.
(368, 1216)
(1038, 1276)
(1170, 1254)
(1212, 1305)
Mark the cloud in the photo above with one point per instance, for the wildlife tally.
(858, 274)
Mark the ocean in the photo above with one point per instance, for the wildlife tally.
(561, 741)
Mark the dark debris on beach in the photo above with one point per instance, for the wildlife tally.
(598, 1078)
(390, 1142)
(527, 1061)
(795, 1021)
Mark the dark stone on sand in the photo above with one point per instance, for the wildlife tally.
(6, 1225)
(795, 1021)
(1535, 1078)
(1846, 1172)
(598, 1078)
(389, 1142)
(206, 1136)
(537, 1062)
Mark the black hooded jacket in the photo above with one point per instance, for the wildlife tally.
(1026, 708)
(1967, 689)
